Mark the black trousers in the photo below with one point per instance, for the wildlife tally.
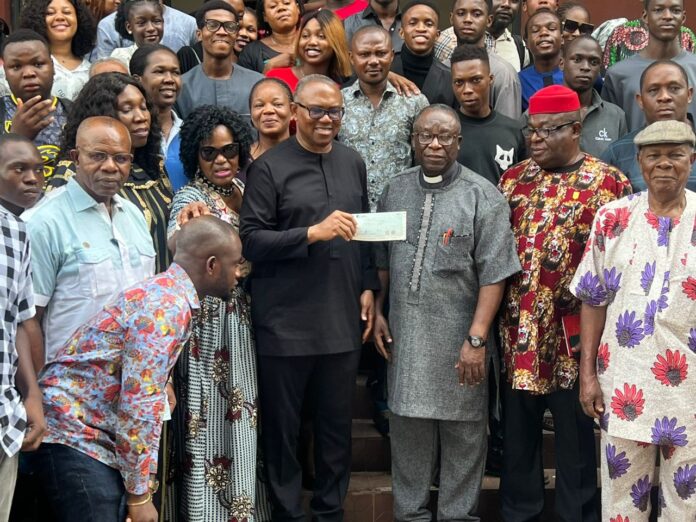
(522, 478)
(328, 382)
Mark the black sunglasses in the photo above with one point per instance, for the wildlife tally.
(570, 26)
(229, 151)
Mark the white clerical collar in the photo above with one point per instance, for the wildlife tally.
(432, 179)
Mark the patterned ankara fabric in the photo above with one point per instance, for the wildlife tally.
(632, 37)
(104, 392)
(643, 268)
(551, 217)
(629, 472)
(216, 416)
(17, 305)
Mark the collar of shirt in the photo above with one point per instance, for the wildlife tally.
(14, 100)
(505, 37)
(489, 42)
(597, 102)
(82, 201)
(176, 127)
(176, 122)
(179, 274)
(356, 91)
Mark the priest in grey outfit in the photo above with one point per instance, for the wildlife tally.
(445, 284)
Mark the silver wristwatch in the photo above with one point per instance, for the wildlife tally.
(476, 341)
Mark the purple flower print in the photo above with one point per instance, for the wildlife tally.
(650, 312)
(604, 421)
(640, 492)
(629, 331)
(590, 290)
(617, 464)
(692, 340)
(666, 433)
(664, 227)
(662, 301)
(647, 276)
(612, 283)
(685, 481)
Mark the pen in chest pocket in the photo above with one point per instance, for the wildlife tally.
(446, 236)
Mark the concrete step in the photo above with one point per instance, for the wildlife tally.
(363, 405)
(370, 499)
(371, 451)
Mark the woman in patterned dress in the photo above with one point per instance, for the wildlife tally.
(216, 416)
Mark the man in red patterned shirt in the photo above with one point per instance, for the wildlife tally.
(553, 196)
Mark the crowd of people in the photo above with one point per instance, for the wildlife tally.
(186, 292)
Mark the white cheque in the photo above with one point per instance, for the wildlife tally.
(381, 226)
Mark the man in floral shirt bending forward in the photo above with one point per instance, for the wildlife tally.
(104, 394)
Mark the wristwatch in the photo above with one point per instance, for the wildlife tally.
(476, 341)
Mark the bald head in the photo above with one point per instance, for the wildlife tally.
(313, 80)
(102, 157)
(107, 65)
(210, 252)
(98, 129)
(204, 237)
(438, 110)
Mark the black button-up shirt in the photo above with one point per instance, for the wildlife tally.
(306, 298)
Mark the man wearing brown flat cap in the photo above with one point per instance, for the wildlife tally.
(638, 291)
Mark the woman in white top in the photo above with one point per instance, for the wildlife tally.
(141, 21)
(70, 29)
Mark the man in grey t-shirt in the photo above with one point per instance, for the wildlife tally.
(664, 19)
(217, 81)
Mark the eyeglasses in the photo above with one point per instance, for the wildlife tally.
(214, 25)
(229, 151)
(121, 159)
(317, 113)
(426, 138)
(570, 26)
(544, 132)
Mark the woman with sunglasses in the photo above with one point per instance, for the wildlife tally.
(215, 377)
(576, 21)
